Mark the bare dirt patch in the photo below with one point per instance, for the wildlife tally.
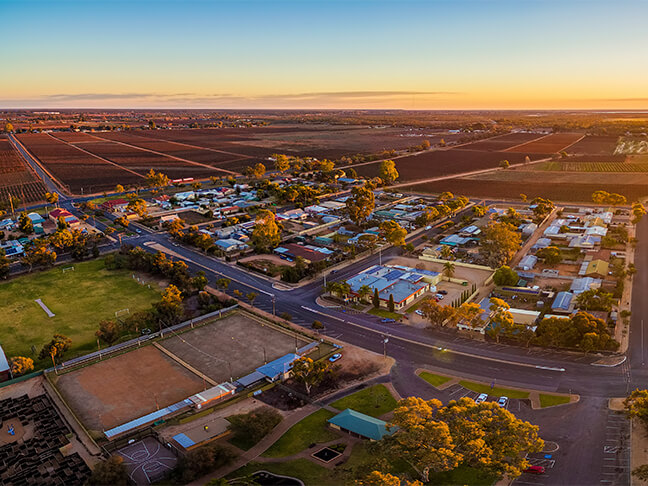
(114, 391)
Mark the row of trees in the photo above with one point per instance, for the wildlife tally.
(581, 331)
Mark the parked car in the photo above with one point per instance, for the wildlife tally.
(443, 292)
(535, 470)
(387, 319)
(419, 312)
(481, 398)
(502, 402)
(439, 296)
(335, 357)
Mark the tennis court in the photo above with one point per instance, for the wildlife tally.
(238, 342)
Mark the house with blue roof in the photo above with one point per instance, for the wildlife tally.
(563, 303)
(360, 425)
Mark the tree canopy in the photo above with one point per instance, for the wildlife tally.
(266, 234)
(361, 204)
(433, 437)
(499, 243)
(387, 172)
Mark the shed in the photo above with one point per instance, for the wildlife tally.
(361, 425)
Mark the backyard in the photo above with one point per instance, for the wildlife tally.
(79, 298)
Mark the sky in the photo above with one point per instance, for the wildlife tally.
(305, 54)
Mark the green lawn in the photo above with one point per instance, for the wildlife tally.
(375, 401)
(384, 313)
(311, 429)
(80, 299)
(360, 463)
(434, 380)
(496, 391)
(547, 400)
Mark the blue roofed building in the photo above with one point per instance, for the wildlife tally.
(279, 368)
(563, 304)
(405, 284)
(361, 425)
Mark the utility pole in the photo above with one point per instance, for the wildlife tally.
(385, 340)
(273, 307)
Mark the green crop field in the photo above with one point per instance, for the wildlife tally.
(638, 166)
(80, 299)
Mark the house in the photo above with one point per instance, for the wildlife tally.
(309, 253)
(468, 231)
(585, 242)
(528, 229)
(36, 218)
(69, 218)
(580, 285)
(563, 304)
(597, 268)
(455, 240)
(528, 262)
(292, 214)
(230, 244)
(541, 243)
(360, 425)
(115, 205)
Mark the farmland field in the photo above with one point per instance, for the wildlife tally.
(501, 142)
(73, 167)
(556, 185)
(548, 145)
(593, 145)
(507, 190)
(80, 299)
(445, 162)
(16, 177)
(601, 167)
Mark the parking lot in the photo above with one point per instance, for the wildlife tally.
(547, 460)
(515, 405)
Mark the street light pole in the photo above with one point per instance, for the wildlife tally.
(273, 304)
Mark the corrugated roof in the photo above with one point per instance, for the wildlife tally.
(361, 424)
(280, 365)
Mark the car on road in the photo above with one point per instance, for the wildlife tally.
(335, 357)
(481, 398)
(138, 231)
(387, 319)
(502, 402)
(535, 470)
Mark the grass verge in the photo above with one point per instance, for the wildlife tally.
(434, 380)
(384, 314)
(547, 400)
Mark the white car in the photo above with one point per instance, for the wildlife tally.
(439, 296)
(502, 402)
(481, 398)
(419, 312)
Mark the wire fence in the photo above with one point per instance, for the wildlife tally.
(135, 342)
